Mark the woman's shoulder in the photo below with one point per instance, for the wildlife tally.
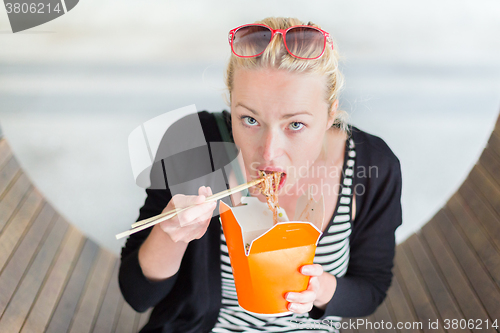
(375, 160)
(371, 148)
(214, 125)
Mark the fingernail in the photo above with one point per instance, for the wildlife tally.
(292, 307)
(306, 270)
(289, 297)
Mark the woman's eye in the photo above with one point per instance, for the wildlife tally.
(295, 126)
(249, 121)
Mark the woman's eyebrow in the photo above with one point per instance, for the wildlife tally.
(289, 115)
(285, 116)
(246, 107)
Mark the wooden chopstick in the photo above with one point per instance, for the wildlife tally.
(144, 224)
(213, 197)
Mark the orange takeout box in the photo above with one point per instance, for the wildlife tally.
(266, 259)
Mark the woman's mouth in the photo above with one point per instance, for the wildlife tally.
(282, 181)
(273, 170)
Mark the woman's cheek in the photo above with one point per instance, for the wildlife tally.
(306, 145)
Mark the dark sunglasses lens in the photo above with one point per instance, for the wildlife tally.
(305, 42)
(250, 41)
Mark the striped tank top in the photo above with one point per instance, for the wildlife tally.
(332, 253)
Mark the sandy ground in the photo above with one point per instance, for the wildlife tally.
(425, 77)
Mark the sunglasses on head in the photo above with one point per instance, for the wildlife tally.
(301, 41)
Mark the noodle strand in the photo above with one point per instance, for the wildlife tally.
(269, 187)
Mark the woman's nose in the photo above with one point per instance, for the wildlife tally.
(272, 146)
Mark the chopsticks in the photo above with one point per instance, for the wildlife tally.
(144, 224)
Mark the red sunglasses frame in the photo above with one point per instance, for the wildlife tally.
(283, 32)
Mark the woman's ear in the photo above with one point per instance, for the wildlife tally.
(332, 113)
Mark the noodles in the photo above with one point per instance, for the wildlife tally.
(269, 187)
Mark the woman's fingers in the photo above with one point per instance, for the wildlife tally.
(180, 201)
(203, 218)
(300, 307)
(302, 297)
(194, 230)
(196, 214)
(303, 302)
(193, 222)
(312, 270)
(205, 190)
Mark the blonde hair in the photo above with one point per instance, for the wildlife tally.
(276, 56)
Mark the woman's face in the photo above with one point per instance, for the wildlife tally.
(279, 121)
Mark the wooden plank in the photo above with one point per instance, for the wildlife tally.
(442, 298)
(143, 320)
(494, 144)
(471, 230)
(384, 317)
(20, 260)
(420, 298)
(13, 232)
(128, 320)
(51, 290)
(401, 304)
(486, 186)
(483, 212)
(136, 321)
(491, 164)
(366, 326)
(348, 330)
(20, 304)
(61, 319)
(13, 199)
(482, 283)
(111, 305)
(86, 314)
(7, 174)
(5, 152)
(467, 300)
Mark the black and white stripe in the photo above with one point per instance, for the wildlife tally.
(332, 253)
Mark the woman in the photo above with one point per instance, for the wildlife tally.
(284, 117)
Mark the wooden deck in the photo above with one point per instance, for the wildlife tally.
(450, 269)
(54, 279)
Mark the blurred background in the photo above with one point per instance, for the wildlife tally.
(424, 76)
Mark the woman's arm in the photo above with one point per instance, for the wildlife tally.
(161, 254)
(137, 290)
(150, 261)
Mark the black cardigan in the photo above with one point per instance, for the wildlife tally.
(190, 300)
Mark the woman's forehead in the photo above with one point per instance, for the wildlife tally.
(278, 89)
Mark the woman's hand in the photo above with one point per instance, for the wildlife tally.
(319, 292)
(192, 223)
